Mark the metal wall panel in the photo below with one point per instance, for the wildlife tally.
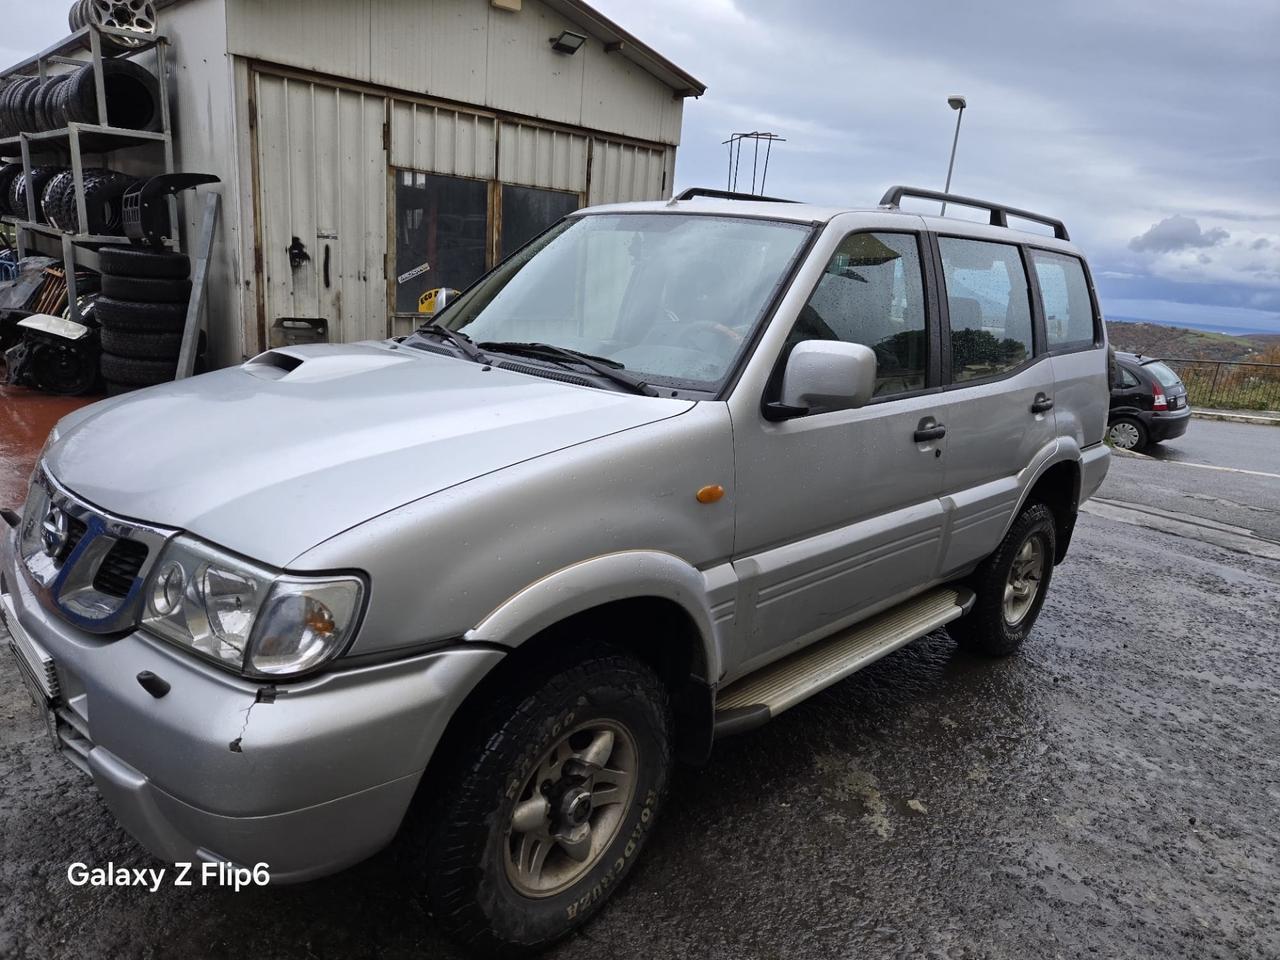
(440, 140)
(621, 172)
(540, 157)
(464, 51)
(322, 179)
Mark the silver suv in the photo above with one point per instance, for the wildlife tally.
(666, 472)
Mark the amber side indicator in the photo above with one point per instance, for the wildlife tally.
(710, 494)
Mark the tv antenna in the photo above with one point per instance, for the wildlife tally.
(734, 143)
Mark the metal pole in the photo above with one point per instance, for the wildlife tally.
(951, 165)
(199, 285)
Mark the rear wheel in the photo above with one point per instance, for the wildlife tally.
(1010, 586)
(1127, 433)
(549, 804)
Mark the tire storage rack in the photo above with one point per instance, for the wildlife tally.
(108, 48)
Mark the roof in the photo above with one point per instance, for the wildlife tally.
(618, 40)
(880, 218)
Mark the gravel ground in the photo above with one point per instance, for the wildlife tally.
(1113, 791)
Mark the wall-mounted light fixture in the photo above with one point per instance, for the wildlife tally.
(568, 42)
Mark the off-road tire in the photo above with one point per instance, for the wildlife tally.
(8, 173)
(984, 629)
(132, 94)
(125, 315)
(145, 346)
(138, 373)
(466, 830)
(137, 262)
(146, 289)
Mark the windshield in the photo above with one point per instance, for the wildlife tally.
(672, 298)
(1162, 373)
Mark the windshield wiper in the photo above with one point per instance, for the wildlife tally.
(459, 340)
(609, 369)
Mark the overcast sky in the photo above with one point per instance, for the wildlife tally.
(1150, 126)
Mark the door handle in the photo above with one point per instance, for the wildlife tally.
(934, 431)
(1041, 404)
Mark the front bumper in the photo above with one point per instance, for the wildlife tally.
(309, 780)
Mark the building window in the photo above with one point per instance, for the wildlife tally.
(441, 230)
(527, 211)
(988, 305)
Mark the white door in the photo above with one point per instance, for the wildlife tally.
(321, 206)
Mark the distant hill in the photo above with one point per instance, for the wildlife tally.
(1156, 340)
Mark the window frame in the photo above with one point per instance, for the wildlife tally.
(932, 371)
(1038, 340)
(393, 239)
(1075, 346)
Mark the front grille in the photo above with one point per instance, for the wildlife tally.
(120, 568)
(91, 579)
(76, 529)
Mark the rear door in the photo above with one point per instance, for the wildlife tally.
(1074, 340)
(999, 402)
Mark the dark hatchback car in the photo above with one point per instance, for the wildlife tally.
(1148, 403)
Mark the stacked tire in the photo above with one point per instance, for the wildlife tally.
(32, 105)
(142, 313)
(103, 201)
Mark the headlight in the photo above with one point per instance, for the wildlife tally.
(246, 616)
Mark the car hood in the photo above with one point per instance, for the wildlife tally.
(272, 457)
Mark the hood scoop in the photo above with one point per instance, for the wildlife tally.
(291, 366)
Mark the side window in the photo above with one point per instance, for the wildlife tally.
(989, 307)
(1068, 311)
(1127, 379)
(872, 293)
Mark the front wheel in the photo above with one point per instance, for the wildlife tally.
(1010, 586)
(550, 805)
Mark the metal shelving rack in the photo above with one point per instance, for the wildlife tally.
(78, 138)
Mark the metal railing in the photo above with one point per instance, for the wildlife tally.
(1229, 384)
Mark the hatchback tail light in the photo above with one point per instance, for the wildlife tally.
(1160, 402)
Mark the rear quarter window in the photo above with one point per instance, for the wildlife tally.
(1064, 294)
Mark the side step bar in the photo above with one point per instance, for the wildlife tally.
(760, 696)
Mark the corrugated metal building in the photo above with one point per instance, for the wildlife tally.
(373, 151)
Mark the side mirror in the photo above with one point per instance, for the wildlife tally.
(827, 375)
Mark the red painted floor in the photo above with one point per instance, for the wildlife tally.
(26, 417)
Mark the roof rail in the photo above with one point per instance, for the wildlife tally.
(728, 195)
(999, 212)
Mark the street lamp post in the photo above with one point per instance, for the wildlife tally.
(958, 104)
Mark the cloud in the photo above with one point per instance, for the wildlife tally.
(1177, 233)
(1260, 244)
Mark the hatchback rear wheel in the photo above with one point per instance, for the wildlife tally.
(1127, 433)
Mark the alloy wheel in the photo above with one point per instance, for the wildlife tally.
(1023, 584)
(571, 807)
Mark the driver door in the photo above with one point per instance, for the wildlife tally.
(840, 512)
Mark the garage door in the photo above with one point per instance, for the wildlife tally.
(321, 207)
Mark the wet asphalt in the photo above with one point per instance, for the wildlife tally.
(1112, 791)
